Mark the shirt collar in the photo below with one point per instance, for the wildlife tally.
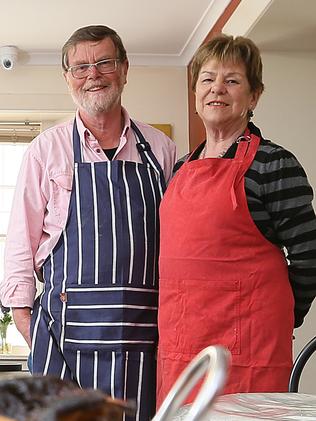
(127, 122)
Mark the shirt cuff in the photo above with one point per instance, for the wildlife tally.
(18, 294)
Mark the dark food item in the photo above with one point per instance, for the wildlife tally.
(39, 398)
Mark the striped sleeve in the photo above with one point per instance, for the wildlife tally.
(280, 202)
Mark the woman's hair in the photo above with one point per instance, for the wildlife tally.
(93, 33)
(226, 48)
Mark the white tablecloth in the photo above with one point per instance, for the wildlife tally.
(261, 406)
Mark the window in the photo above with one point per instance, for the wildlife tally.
(14, 139)
(10, 160)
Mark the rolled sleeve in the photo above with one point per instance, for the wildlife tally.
(17, 293)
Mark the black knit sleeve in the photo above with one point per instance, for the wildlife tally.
(280, 202)
(179, 163)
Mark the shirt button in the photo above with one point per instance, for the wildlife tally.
(98, 150)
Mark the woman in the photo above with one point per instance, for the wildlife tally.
(231, 209)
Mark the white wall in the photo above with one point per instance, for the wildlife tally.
(286, 114)
(159, 95)
(287, 108)
(34, 88)
(153, 94)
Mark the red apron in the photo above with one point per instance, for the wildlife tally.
(221, 281)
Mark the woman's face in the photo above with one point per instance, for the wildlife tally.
(223, 96)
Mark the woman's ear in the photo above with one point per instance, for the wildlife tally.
(254, 100)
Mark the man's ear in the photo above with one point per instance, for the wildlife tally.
(125, 65)
(65, 74)
(66, 77)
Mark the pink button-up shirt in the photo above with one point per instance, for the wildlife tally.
(40, 205)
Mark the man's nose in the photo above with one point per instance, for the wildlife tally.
(93, 70)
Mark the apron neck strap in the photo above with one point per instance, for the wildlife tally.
(146, 154)
(247, 146)
(141, 144)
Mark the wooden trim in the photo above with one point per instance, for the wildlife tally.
(196, 127)
(221, 21)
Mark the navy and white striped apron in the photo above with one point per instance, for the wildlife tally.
(96, 320)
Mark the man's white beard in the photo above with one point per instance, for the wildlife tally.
(98, 102)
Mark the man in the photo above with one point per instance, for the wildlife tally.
(85, 218)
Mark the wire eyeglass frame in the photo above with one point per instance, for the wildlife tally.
(80, 71)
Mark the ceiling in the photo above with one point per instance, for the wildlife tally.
(164, 32)
(287, 25)
(153, 32)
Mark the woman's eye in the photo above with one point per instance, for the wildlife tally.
(231, 81)
(207, 80)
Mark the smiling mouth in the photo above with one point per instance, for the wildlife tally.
(217, 104)
(95, 88)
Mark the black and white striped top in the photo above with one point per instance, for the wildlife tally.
(280, 202)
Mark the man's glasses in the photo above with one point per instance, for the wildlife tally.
(104, 66)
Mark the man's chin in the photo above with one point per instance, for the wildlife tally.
(96, 106)
(95, 109)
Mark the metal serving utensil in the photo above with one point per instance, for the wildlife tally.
(214, 361)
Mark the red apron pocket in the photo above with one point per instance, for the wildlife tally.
(211, 315)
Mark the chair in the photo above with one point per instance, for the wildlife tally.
(299, 364)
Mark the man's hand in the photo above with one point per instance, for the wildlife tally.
(22, 320)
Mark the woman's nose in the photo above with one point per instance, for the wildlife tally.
(218, 87)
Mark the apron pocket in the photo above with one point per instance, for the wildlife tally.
(61, 185)
(194, 314)
(111, 317)
(211, 314)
